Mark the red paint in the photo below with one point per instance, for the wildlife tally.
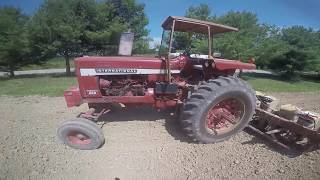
(73, 96)
(125, 62)
(156, 77)
(148, 98)
(90, 87)
(92, 83)
(89, 83)
(75, 137)
(164, 104)
(224, 116)
(224, 64)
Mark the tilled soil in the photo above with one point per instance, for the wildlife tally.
(141, 143)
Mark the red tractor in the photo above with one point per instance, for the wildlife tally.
(212, 103)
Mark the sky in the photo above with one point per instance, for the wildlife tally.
(282, 13)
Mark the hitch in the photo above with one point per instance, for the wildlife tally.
(285, 133)
(92, 115)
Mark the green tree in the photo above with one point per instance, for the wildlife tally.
(269, 45)
(142, 46)
(132, 14)
(14, 43)
(296, 49)
(201, 12)
(300, 37)
(103, 34)
(72, 28)
(239, 45)
(184, 40)
(315, 61)
(304, 39)
(59, 25)
(290, 62)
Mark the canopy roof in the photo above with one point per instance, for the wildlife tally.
(184, 24)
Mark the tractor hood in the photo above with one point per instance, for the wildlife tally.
(122, 65)
(119, 62)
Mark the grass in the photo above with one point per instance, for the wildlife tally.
(46, 86)
(276, 85)
(54, 86)
(54, 63)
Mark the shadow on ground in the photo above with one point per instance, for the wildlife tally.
(257, 139)
(146, 113)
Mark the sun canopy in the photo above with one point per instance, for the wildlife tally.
(184, 24)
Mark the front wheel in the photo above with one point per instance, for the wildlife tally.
(81, 134)
(219, 109)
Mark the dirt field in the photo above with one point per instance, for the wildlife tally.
(140, 144)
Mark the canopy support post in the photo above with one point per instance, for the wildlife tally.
(159, 53)
(209, 42)
(168, 77)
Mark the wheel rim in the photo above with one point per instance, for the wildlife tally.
(78, 138)
(224, 116)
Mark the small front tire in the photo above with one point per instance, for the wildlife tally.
(81, 134)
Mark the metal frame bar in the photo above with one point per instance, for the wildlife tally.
(209, 42)
(159, 53)
(212, 46)
(168, 77)
(313, 136)
(222, 28)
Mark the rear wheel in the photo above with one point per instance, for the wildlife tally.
(81, 133)
(219, 109)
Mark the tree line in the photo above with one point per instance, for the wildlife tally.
(287, 50)
(69, 28)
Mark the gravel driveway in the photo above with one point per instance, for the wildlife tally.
(141, 143)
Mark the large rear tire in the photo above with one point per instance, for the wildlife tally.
(81, 134)
(219, 109)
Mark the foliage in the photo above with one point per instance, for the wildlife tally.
(306, 40)
(103, 34)
(114, 17)
(197, 42)
(14, 42)
(52, 63)
(59, 25)
(201, 12)
(71, 28)
(269, 45)
(141, 46)
(290, 62)
(133, 14)
(239, 45)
